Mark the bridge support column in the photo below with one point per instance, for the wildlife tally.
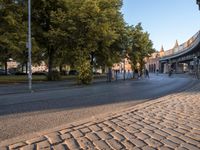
(176, 67)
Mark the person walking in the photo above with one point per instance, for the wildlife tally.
(146, 73)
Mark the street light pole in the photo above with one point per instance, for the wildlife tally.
(124, 69)
(29, 47)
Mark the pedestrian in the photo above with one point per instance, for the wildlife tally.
(146, 73)
(136, 74)
(170, 72)
(157, 71)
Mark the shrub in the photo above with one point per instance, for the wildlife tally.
(85, 71)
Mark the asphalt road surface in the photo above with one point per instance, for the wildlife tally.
(24, 113)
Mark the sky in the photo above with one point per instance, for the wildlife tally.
(165, 20)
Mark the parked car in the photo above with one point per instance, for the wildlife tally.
(73, 72)
(3, 72)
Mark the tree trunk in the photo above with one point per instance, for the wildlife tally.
(60, 68)
(109, 74)
(6, 67)
(26, 67)
(22, 67)
(50, 65)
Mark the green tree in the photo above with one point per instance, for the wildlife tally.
(141, 46)
(47, 30)
(13, 32)
(10, 35)
(85, 28)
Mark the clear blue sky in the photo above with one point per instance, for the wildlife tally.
(165, 20)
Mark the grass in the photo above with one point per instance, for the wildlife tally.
(36, 78)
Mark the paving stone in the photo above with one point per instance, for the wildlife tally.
(164, 148)
(115, 144)
(54, 139)
(93, 136)
(72, 144)
(153, 143)
(122, 124)
(158, 126)
(60, 147)
(36, 140)
(150, 127)
(181, 148)
(196, 131)
(146, 131)
(148, 148)
(157, 136)
(17, 145)
(85, 143)
(128, 145)
(104, 135)
(117, 136)
(138, 142)
(184, 126)
(107, 129)
(194, 136)
(128, 135)
(172, 132)
(28, 147)
(190, 146)
(161, 132)
(95, 128)
(120, 129)
(43, 145)
(141, 135)
(189, 140)
(169, 143)
(85, 130)
(109, 123)
(76, 134)
(127, 121)
(101, 125)
(102, 145)
(175, 139)
(131, 129)
(65, 130)
(65, 136)
(136, 126)
(183, 131)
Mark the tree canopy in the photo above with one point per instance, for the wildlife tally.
(73, 32)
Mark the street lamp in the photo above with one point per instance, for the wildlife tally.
(124, 67)
(29, 46)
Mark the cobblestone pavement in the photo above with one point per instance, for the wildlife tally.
(170, 122)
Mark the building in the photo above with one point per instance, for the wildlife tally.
(152, 63)
(123, 65)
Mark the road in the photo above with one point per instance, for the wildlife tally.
(25, 113)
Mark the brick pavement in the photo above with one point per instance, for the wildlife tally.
(170, 122)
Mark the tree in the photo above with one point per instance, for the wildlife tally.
(46, 30)
(9, 30)
(141, 46)
(13, 32)
(77, 30)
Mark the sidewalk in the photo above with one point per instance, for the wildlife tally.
(170, 122)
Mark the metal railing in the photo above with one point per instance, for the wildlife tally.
(195, 39)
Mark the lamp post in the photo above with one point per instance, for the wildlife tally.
(29, 47)
(124, 64)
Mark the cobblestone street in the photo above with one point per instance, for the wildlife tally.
(169, 122)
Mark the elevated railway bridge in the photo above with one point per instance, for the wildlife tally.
(182, 58)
